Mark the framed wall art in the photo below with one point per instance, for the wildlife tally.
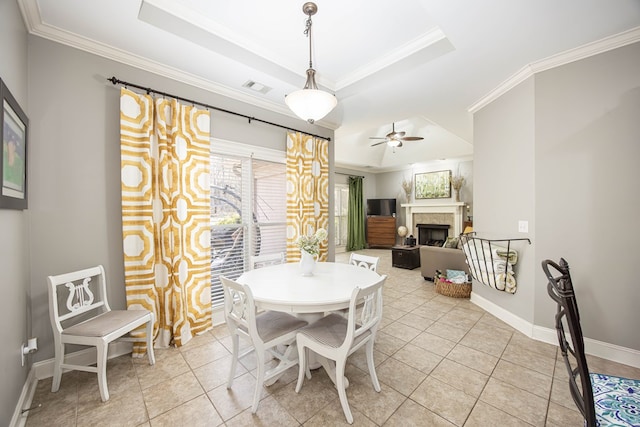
(433, 185)
(13, 164)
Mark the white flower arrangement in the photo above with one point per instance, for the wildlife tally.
(311, 244)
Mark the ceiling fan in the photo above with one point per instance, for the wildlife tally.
(394, 139)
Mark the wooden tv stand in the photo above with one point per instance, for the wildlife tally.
(381, 231)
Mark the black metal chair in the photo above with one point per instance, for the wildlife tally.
(603, 400)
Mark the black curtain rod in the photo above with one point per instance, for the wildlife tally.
(350, 174)
(149, 90)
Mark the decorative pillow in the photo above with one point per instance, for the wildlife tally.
(457, 276)
(451, 242)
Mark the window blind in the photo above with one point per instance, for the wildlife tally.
(248, 215)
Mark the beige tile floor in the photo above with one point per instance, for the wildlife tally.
(441, 362)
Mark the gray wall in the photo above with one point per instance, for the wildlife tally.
(14, 228)
(504, 187)
(389, 184)
(561, 150)
(587, 127)
(75, 181)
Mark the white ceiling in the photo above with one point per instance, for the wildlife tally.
(419, 63)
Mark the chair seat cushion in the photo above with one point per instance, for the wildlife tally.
(105, 323)
(616, 400)
(331, 331)
(272, 324)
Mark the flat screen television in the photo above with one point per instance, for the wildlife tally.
(381, 207)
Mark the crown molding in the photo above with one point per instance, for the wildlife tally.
(566, 57)
(35, 26)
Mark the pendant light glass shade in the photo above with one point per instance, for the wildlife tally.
(310, 103)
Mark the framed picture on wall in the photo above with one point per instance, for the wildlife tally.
(433, 185)
(13, 164)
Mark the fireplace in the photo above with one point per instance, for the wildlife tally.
(432, 234)
(430, 212)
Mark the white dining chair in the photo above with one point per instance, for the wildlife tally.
(266, 332)
(336, 338)
(95, 323)
(365, 261)
(259, 261)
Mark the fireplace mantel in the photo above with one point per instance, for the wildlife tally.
(454, 208)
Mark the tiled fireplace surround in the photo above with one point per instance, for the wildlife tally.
(434, 213)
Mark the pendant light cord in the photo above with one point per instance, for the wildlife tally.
(307, 32)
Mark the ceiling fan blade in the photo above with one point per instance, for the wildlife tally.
(377, 137)
(378, 143)
(412, 138)
(395, 135)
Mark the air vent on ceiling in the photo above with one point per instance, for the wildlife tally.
(257, 87)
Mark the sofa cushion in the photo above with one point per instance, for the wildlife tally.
(451, 242)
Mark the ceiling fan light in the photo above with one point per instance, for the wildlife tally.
(311, 104)
(394, 143)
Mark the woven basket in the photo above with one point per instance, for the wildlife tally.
(453, 290)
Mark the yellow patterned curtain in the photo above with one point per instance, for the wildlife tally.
(307, 190)
(166, 207)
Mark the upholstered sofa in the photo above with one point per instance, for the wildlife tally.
(434, 258)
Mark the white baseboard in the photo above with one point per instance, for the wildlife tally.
(615, 353)
(506, 316)
(19, 418)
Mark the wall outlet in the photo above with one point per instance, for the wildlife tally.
(523, 226)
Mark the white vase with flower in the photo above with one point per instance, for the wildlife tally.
(310, 250)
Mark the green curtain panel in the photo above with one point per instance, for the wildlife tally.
(355, 217)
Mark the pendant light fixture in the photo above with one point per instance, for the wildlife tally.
(310, 103)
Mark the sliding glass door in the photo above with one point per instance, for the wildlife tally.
(248, 214)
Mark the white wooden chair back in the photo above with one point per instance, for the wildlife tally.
(368, 317)
(77, 298)
(364, 261)
(239, 309)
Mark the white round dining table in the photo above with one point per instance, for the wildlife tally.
(283, 288)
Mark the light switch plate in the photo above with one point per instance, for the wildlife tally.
(523, 226)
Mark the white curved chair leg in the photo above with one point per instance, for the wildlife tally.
(150, 352)
(259, 379)
(101, 351)
(302, 366)
(371, 365)
(342, 392)
(57, 367)
(234, 359)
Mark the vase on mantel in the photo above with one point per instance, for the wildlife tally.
(307, 263)
(457, 194)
